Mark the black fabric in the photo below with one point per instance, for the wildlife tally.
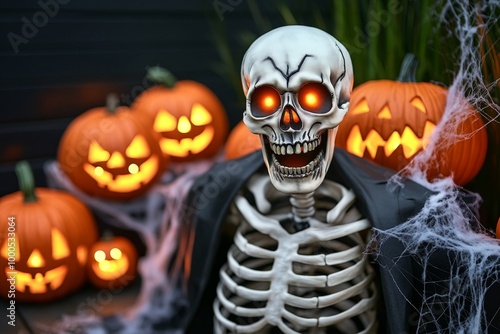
(212, 194)
(209, 200)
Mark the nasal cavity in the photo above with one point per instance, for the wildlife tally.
(290, 120)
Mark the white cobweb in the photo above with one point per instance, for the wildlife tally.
(157, 218)
(448, 223)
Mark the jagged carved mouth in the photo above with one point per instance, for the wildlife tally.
(40, 283)
(407, 140)
(299, 159)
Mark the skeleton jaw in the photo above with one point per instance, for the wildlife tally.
(298, 167)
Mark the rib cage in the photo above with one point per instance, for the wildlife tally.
(316, 280)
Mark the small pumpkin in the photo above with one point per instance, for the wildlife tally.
(189, 117)
(389, 122)
(111, 153)
(46, 241)
(241, 142)
(112, 262)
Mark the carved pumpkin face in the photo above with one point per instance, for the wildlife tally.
(389, 122)
(112, 261)
(188, 134)
(122, 171)
(49, 247)
(111, 155)
(241, 142)
(189, 117)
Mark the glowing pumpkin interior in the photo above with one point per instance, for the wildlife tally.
(122, 172)
(34, 274)
(408, 140)
(187, 134)
(110, 265)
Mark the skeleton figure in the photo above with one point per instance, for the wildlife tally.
(297, 261)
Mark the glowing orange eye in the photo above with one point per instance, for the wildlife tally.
(315, 97)
(265, 101)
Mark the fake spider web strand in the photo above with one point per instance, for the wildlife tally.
(472, 270)
(160, 269)
(448, 222)
(163, 301)
(469, 22)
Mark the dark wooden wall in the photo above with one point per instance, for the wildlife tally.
(58, 58)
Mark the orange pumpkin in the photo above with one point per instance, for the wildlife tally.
(389, 122)
(46, 235)
(112, 262)
(498, 229)
(241, 142)
(111, 153)
(189, 117)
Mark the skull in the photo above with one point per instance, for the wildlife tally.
(297, 81)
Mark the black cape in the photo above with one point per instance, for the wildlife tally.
(212, 193)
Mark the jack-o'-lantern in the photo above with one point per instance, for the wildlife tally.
(241, 142)
(189, 117)
(45, 241)
(111, 153)
(389, 122)
(112, 262)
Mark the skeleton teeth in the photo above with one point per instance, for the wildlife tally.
(297, 148)
(311, 168)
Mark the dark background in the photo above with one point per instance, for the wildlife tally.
(88, 49)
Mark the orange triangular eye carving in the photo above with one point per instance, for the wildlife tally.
(419, 104)
(60, 247)
(361, 108)
(165, 121)
(5, 249)
(97, 153)
(200, 115)
(385, 113)
(36, 259)
(138, 148)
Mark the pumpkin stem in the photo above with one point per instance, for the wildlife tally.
(112, 103)
(26, 181)
(408, 72)
(107, 235)
(161, 76)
